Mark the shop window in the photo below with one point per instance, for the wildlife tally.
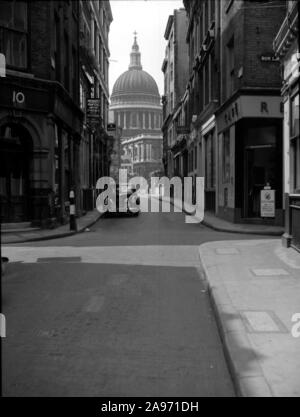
(13, 32)
(226, 157)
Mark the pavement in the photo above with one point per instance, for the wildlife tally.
(222, 225)
(255, 291)
(216, 223)
(35, 234)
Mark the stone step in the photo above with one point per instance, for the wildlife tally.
(25, 230)
(20, 227)
(16, 225)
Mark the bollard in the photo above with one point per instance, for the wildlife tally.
(73, 225)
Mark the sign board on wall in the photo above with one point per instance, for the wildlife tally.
(267, 203)
(251, 107)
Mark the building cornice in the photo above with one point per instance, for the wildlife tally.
(288, 33)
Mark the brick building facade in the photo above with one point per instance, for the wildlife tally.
(175, 70)
(40, 117)
(43, 149)
(96, 145)
(286, 47)
(249, 119)
(230, 120)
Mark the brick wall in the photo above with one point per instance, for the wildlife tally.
(40, 22)
(254, 26)
(261, 26)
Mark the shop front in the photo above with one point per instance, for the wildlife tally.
(250, 160)
(39, 152)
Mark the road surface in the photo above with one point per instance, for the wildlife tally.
(121, 310)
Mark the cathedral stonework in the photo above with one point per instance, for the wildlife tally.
(136, 108)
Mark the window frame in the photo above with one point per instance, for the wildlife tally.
(25, 32)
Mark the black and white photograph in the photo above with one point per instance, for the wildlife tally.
(149, 201)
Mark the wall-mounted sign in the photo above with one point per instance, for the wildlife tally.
(18, 97)
(249, 106)
(232, 113)
(267, 203)
(93, 108)
(269, 58)
(111, 126)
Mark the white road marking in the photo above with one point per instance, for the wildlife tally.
(180, 256)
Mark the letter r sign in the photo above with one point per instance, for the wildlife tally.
(264, 107)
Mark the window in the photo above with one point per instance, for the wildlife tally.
(57, 47)
(66, 62)
(14, 32)
(226, 156)
(171, 102)
(206, 82)
(295, 142)
(206, 5)
(95, 38)
(230, 68)
(212, 10)
(296, 152)
(74, 73)
(100, 54)
(295, 116)
(210, 169)
(171, 71)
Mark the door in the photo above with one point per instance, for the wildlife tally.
(260, 169)
(15, 151)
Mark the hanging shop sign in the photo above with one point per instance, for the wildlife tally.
(267, 203)
(93, 109)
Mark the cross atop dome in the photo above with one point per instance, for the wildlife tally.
(135, 56)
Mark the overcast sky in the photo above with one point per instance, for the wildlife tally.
(149, 18)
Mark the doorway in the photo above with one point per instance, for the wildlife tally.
(15, 157)
(260, 169)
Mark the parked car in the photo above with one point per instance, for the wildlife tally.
(126, 197)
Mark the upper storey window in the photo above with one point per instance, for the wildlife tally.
(14, 32)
